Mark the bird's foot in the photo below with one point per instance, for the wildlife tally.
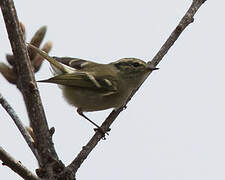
(102, 132)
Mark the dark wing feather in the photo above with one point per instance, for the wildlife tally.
(85, 80)
(72, 62)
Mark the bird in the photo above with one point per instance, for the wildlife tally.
(91, 86)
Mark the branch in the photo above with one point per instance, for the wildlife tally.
(28, 86)
(19, 125)
(16, 166)
(185, 21)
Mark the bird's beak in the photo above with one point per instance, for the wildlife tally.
(151, 67)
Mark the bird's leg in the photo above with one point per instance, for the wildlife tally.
(80, 112)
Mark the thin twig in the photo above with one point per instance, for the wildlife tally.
(185, 21)
(28, 87)
(19, 125)
(16, 166)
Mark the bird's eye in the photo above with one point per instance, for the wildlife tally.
(136, 64)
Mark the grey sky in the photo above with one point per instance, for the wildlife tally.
(173, 129)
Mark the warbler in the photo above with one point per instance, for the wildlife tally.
(92, 86)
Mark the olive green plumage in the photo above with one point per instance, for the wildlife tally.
(91, 86)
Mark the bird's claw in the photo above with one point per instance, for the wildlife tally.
(102, 132)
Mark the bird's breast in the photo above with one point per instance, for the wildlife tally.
(93, 100)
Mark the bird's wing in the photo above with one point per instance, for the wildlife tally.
(86, 80)
(71, 72)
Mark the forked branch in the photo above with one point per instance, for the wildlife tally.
(28, 87)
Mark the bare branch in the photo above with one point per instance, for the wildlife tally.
(185, 21)
(28, 86)
(19, 125)
(16, 166)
